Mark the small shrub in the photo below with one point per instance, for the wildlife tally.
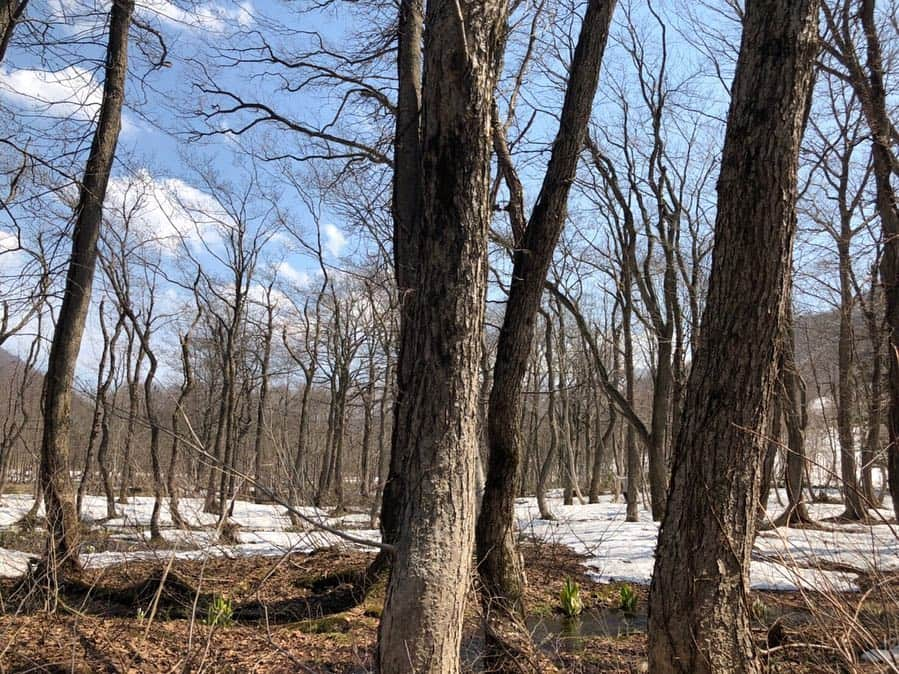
(220, 612)
(760, 611)
(571, 599)
(627, 598)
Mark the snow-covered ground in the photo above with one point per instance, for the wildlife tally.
(784, 559)
(264, 530)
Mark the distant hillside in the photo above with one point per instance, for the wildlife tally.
(817, 342)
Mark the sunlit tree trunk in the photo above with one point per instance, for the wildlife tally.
(61, 555)
(702, 626)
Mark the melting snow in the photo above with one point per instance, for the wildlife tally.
(784, 559)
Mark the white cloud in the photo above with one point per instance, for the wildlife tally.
(294, 275)
(210, 16)
(334, 240)
(68, 92)
(8, 241)
(217, 17)
(166, 211)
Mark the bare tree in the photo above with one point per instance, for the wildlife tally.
(852, 29)
(499, 563)
(435, 436)
(709, 525)
(62, 554)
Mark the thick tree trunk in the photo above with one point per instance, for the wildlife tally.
(874, 102)
(11, 13)
(435, 433)
(499, 564)
(61, 556)
(702, 626)
(406, 188)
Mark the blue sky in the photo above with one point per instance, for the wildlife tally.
(169, 169)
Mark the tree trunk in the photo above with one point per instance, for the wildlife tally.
(773, 447)
(258, 458)
(103, 458)
(11, 13)
(872, 436)
(186, 388)
(406, 194)
(133, 389)
(210, 503)
(796, 413)
(661, 408)
(368, 404)
(632, 452)
(543, 478)
(703, 626)
(96, 418)
(599, 456)
(100, 422)
(155, 427)
(435, 435)
(875, 107)
(61, 557)
(499, 564)
(852, 497)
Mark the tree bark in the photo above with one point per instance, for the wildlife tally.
(11, 13)
(258, 458)
(406, 189)
(796, 415)
(104, 380)
(435, 435)
(61, 557)
(703, 625)
(852, 497)
(885, 167)
(546, 466)
(187, 386)
(499, 563)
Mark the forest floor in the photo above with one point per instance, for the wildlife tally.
(823, 598)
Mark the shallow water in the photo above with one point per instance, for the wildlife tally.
(557, 632)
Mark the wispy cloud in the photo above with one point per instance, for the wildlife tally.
(335, 241)
(166, 211)
(70, 92)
